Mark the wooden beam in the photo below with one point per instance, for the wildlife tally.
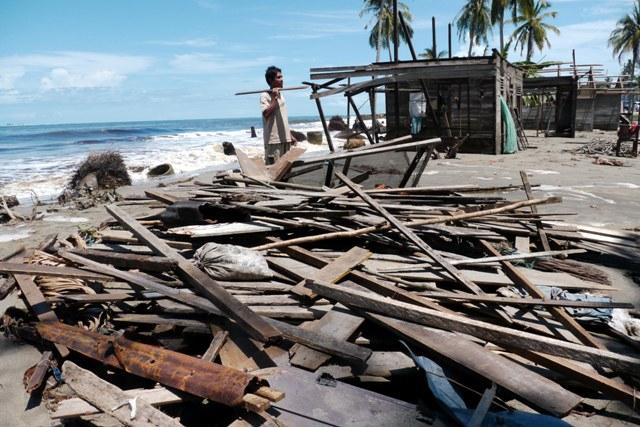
(541, 233)
(256, 326)
(382, 227)
(76, 407)
(371, 149)
(362, 279)
(47, 270)
(587, 377)
(127, 260)
(293, 333)
(216, 344)
(335, 323)
(39, 305)
(462, 298)
(404, 230)
(531, 387)
(334, 271)
(559, 313)
(499, 334)
(112, 400)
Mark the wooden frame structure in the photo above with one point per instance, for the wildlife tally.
(462, 96)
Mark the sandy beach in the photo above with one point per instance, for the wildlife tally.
(598, 195)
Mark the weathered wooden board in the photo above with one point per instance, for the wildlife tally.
(250, 321)
(109, 399)
(224, 229)
(75, 407)
(499, 334)
(338, 324)
(334, 271)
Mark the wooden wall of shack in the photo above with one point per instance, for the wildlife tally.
(598, 109)
(468, 90)
(551, 105)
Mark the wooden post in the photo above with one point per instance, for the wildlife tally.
(348, 106)
(362, 123)
(449, 33)
(433, 37)
(395, 31)
(374, 120)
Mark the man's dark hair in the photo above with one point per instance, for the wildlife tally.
(271, 73)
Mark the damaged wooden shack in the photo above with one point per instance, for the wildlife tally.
(454, 98)
(562, 98)
(250, 300)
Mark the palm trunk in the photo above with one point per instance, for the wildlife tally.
(634, 60)
(379, 39)
(502, 52)
(471, 35)
(389, 49)
(529, 48)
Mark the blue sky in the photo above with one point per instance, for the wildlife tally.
(70, 61)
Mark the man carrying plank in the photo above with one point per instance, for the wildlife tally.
(275, 120)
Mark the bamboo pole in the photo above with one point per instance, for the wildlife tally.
(386, 226)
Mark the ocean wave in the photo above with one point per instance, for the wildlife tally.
(112, 140)
(188, 151)
(85, 132)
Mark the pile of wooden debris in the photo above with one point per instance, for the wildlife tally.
(251, 301)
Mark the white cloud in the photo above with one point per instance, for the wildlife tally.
(197, 42)
(8, 77)
(589, 39)
(201, 63)
(61, 78)
(327, 14)
(205, 4)
(62, 70)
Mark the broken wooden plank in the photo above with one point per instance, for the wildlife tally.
(499, 334)
(161, 196)
(46, 270)
(39, 305)
(224, 229)
(282, 166)
(295, 334)
(250, 167)
(587, 377)
(112, 400)
(124, 236)
(460, 298)
(417, 223)
(38, 374)
(218, 340)
(542, 235)
(360, 278)
(75, 407)
(560, 314)
(127, 260)
(248, 320)
(334, 271)
(335, 323)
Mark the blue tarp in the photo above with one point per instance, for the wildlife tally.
(451, 402)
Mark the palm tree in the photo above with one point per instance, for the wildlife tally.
(498, 8)
(382, 19)
(474, 18)
(532, 31)
(428, 54)
(625, 37)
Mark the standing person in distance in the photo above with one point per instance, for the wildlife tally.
(275, 120)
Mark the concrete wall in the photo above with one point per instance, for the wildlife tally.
(598, 111)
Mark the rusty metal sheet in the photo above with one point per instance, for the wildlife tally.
(180, 371)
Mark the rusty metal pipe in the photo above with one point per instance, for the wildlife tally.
(180, 371)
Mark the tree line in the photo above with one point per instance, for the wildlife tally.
(477, 18)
